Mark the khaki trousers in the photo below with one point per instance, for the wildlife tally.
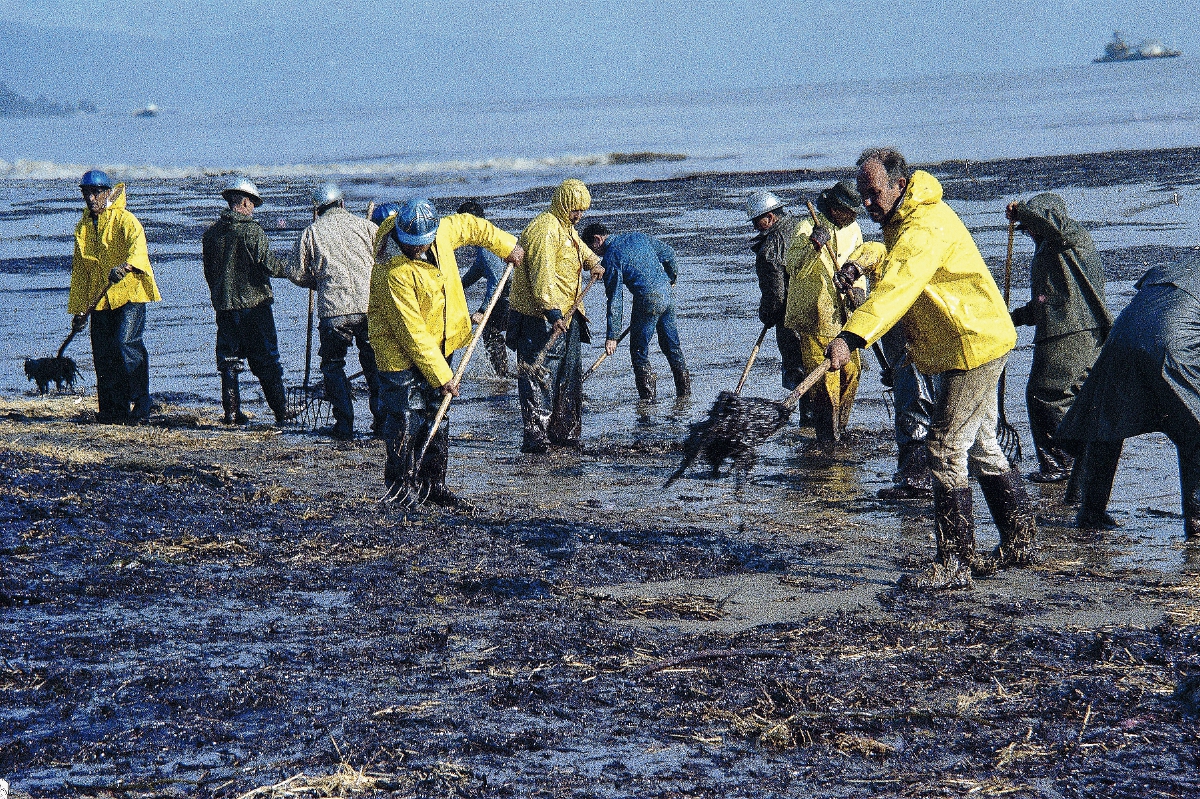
(962, 438)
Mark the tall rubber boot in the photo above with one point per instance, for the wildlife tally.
(276, 396)
(433, 471)
(493, 342)
(824, 417)
(913, 478)
(231, 398)
(647, 383)
(1015, 520)
(683, 381)
(1096, 480)
(954, 529)
(337, 393)
(1189, 487)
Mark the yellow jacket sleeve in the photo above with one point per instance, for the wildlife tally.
(422, 345)
(910, 265)
(542, 240)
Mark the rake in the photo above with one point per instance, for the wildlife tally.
(537, 370)
(604, 355)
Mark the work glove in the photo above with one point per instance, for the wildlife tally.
(78, 322)
(855, 297)
(887, 376)
(820, 237)
(117, 273)
(847, 276)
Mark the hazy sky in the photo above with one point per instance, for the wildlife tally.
(267, 54)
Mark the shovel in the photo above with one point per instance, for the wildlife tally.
(537, 370)
(1006, 434)
(60, 370)
(604, 355)
(409, 492)
(737, 426)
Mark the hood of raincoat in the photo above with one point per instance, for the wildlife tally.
(1045, 217)
(571, 195)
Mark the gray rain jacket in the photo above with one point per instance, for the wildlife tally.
(334, 256)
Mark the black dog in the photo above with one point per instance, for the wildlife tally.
(44, 371)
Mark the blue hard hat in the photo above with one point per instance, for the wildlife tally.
(383, 211)
(96, 177)
(417, 223)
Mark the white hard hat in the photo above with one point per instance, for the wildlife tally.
(762, 202)
(244, 186)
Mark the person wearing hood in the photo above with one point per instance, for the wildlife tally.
(238, 266)
(816, 308)
(111, 282)
(647, 267)
(1071, 321)
(1146, 380)
(334, 255)
(546, 287)
(417, 318)
(776, 228)
(935, 283)
(483, 264)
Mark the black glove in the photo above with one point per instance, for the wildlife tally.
(78, 322)
(847, 276)
(117, 273)
(888, 377)
(820, 237)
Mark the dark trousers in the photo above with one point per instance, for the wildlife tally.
(408, 404)
(337, 333)
(249, 333)
(122, 363)
(652, 314)
(914, 392)
(1060, 365)
(791, 353)
(551, 407)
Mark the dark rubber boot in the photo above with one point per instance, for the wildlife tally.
(1054, 465)
(824, 418)
(337, 393)
(954, 527)
(231, 398)
(1096, 480)
(913, 478)
(276, 396)
(1013, 513)
(493, 342)
(683, 381)
(647, 383)
(432, 475)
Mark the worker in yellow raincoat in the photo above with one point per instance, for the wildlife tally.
(816, 309)
(545, 289)
(935, 283)
(417, 318)
(111, 264)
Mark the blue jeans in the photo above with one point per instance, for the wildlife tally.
(122, 364)
(654, 313)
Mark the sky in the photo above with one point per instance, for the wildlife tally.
(260, 54)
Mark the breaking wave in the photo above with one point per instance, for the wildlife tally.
(349, 168)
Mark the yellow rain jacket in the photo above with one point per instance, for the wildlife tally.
(548, 279)
(812, 299)
(935, 283)
(417, 314)
(113, 239)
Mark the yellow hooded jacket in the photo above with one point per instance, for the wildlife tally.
(417, 314)
(935, 283)
(548, 279)
(113, 239)
(812, 299)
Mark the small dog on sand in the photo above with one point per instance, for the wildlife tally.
(44, 371)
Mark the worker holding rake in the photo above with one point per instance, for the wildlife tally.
(935, 283)
(417, 318)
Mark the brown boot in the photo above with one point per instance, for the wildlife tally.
(683, 382)
(1013, 513)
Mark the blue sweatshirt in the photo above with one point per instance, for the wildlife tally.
(644, 264)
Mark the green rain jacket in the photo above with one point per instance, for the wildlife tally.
(1066, 276)
(238, 263)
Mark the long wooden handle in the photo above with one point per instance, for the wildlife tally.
(95, 303)
(841, 298)
(1012, 229)
(541, 358)
(749, 363)
(604, 355)
(808, 383)
(462, 367)
(308, 344)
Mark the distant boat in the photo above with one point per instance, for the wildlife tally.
(1118, 50)
(151, 110)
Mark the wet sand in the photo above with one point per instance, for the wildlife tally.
(191, 610)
